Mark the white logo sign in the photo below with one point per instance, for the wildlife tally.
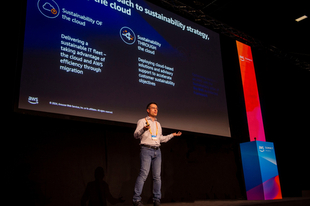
(33, 100)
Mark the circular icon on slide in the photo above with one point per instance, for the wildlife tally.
(127, 35)
(49, 8)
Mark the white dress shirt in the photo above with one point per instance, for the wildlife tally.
(145, 136)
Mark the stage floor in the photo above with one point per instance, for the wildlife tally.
(296, 201)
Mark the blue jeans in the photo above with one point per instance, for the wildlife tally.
(148, 157)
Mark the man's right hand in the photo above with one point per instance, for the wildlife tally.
(146, 127)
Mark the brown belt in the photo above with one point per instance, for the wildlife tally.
(149, 146)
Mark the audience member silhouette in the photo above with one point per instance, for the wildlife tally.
(97, 192)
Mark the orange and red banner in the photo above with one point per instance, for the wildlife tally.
(250, 91)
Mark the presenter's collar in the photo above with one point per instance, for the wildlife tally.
(149, 118)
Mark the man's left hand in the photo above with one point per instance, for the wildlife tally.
(177, 134)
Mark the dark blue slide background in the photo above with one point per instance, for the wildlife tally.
(195, 103)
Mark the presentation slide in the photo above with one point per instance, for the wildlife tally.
(107, 59)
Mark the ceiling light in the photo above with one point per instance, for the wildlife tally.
(301, 18)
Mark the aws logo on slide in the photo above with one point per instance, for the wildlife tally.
(33, 100)
(49, 8)
(127, 35)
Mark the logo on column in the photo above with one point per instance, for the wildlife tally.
(261, 148)
(48, 8)
(127, 35)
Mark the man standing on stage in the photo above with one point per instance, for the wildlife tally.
(149, 132)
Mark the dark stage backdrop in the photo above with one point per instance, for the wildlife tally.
(50, 161)
(54, 160)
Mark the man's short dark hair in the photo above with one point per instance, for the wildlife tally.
(150, 104)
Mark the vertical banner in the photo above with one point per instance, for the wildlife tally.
(250, 91)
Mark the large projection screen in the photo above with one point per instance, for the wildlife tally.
(106, 59)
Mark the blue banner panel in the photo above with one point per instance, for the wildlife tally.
(260, 170)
